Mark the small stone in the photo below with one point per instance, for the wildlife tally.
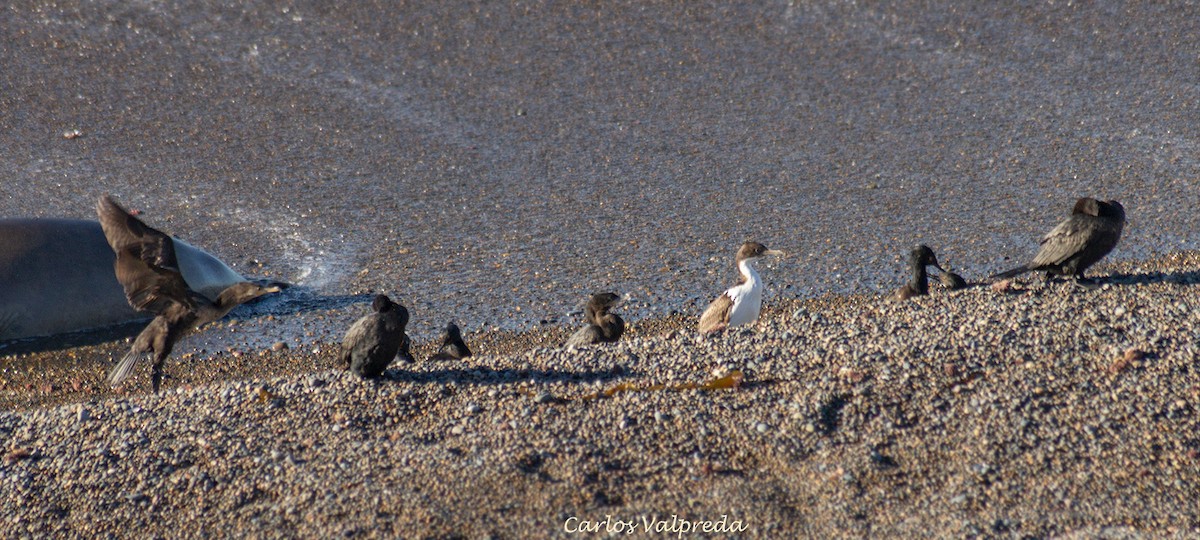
(762, 428)
(279, 346)
(474, 408)
(543, 397)
(1003, 286)
(456, 430)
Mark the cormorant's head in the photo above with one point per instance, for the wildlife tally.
(244, 291)
(382, 303)
(753, 250)
(1087, 205)
(922, 255)
(604, 301)
(1095, 208)
(1112, 209)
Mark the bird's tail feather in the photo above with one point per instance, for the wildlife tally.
(124, 367)
(1010, 273)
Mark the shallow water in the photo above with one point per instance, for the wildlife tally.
(497, 163)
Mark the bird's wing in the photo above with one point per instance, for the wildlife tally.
(404, 352)
(125, 367)
(361, 332)
(146, 266)
(613, 328)
(1066, 240)
(716, 317)
(126, 232)
(150, 288)
(137, 351)
(584, 336)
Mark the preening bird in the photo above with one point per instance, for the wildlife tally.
(147, 269)
(602, 326)
(952, 281)
(1078, 242)
(741, 304)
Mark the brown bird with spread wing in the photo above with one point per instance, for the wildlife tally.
(147, 269)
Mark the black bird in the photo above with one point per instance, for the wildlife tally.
(1078, 242)
(453, 346)
(374, 340)
(918, 284)
(148, 271)
(602, 326)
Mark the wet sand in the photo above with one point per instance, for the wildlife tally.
(474, 160)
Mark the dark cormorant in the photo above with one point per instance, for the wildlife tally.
(147, 269)
(1078, 242)
(741, 304)
(918, 283)
(602, 326)
(374, 340)
(453, 346)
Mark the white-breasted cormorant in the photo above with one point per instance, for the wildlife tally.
(741, 304)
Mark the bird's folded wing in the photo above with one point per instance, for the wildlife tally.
(1064, 241)
(717, 314)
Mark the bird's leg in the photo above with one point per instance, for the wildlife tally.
(156, 373)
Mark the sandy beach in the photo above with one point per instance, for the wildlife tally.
(495, 164)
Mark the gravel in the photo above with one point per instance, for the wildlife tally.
(974, 412)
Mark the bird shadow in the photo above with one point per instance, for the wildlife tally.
(1185, 277)
(291, 300)
(485, 375)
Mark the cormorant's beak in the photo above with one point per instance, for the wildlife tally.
(272, 289)
(775, 252)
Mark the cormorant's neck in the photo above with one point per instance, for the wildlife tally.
(611, 325)
(749, 273)
(920, 279)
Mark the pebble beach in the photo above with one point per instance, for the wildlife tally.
(1039, 410)
(496, 164)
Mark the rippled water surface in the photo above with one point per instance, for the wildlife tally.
(496, 162)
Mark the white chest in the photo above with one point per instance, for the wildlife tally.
(747, 297)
